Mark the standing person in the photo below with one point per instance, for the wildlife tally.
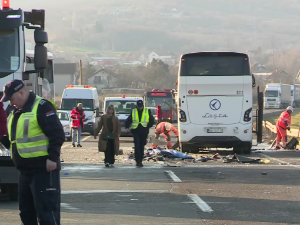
(78, 117)
(165, 128)
(283, 124)
(140, 120)
(36, 136)
(109, 137)
(3, 120)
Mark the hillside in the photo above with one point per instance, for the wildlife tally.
(170, 25)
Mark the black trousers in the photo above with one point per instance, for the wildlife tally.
(140, 140)
(110, 152)
(39, 198)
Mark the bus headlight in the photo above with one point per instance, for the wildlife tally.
(247, 117)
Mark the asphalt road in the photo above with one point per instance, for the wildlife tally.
(177, 192)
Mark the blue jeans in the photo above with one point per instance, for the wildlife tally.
(76, 132)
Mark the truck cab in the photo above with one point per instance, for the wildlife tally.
(277, 95)
(16, 64)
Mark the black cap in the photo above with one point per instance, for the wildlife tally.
(139, 103)
(10, 88)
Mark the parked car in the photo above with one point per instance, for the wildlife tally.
(65, 120)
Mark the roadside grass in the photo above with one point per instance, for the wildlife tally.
(295, 119)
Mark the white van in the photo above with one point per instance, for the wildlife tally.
(123, 106)
(88, 96)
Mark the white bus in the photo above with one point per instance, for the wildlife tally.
(215, 101)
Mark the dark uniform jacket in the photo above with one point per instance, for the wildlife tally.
(52, 128)
(140, 128)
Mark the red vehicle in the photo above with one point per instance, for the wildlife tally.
(157, 98)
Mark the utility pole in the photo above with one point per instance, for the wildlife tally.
(80, 72)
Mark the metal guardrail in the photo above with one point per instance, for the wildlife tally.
(271, 128)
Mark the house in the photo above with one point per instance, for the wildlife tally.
(102, 79)
(64, 74)
(167, 58)
(260, 70)
(104, 61)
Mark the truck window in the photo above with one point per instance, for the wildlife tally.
(10, 52)
(271, 94)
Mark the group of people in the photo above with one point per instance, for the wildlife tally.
(140, 120)
(35, 135)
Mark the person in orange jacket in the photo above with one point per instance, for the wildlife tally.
(283, 124)
(165, 128)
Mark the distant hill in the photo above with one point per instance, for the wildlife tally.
(173, 25)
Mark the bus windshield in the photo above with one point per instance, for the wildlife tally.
(214, 64)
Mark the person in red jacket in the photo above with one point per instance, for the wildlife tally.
(165, 128)
(283, 124)
(3, 120)
(78, 117)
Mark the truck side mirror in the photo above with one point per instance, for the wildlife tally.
(40, 57)
(40, 51)
(253, 81)
(40, 37)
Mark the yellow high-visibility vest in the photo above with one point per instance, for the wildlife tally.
(136, 120)
(30, 140)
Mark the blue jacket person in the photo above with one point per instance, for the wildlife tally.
(36, 136)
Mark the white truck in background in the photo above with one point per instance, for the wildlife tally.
(296, 93)
(277, 95)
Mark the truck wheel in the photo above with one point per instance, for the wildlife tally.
(12, 191)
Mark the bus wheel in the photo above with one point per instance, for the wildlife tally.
(189, 148)
(244, 148)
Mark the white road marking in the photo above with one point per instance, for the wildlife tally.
(111, 191)
(173, 176)
(68, 206)
(278, 160)
(68, 145)
(200, 203)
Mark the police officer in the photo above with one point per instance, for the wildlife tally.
(36, 136)
(140, 120)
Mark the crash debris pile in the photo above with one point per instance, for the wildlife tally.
(156, 155)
